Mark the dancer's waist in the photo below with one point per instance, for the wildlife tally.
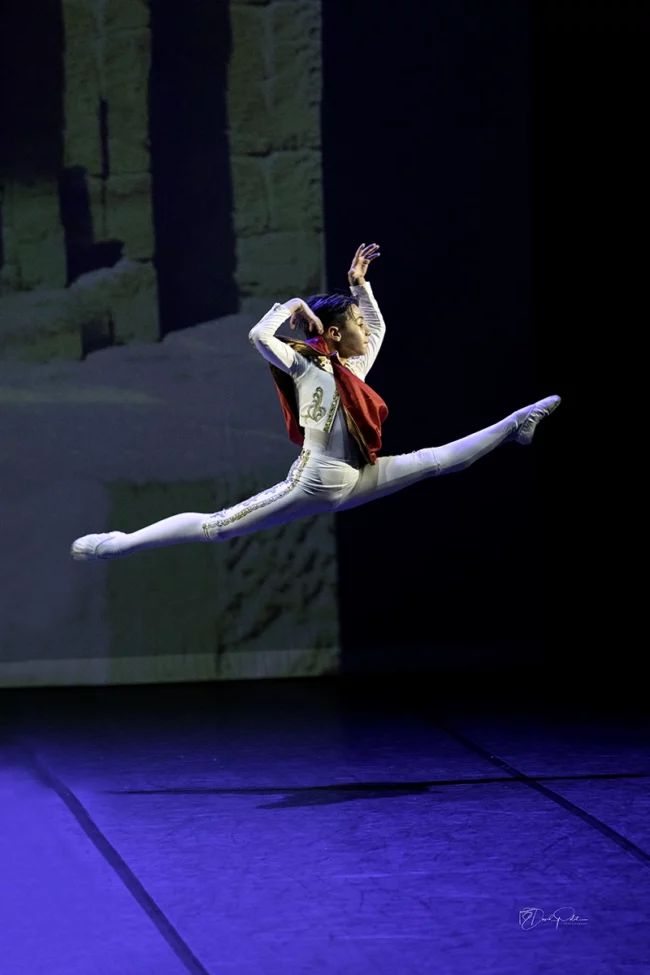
(333, 447)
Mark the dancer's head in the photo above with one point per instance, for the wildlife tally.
(345, 329)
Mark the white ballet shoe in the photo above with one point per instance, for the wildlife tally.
(86, 548)
(544, 407)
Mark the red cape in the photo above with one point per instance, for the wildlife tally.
(365, 410)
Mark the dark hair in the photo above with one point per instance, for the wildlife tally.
(332, 309)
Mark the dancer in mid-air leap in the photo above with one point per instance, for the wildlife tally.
(333, 416)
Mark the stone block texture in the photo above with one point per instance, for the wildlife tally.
(106, 59)
(274, 97)
(107, 425)
(82, 62)
(103, 191)
(47, 324)
(32, 236)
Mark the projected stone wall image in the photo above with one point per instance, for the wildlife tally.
(160, 187)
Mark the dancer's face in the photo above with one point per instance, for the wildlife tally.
(352, 339)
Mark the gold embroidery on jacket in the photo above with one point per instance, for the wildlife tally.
(330, 416)
(316, 411)
(324, 363)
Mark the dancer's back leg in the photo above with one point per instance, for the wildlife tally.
(298, 496)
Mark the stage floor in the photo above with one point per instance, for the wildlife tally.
(330, 826)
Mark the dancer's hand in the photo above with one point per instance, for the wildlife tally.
(301, 314)
(361, 262)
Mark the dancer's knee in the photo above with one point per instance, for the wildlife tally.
(450, 461)
(215, 528)
(240, 519)
(428, 460)
(219, 528)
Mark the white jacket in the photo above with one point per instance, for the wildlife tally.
(316, 392)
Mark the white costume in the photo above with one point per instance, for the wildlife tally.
(329, 475)
(318, 400)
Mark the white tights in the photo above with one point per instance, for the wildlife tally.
(315, 484)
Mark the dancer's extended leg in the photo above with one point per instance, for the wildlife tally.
(298, 496)
(391, 474)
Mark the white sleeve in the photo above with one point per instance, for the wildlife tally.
(375, 322)
(276, 352)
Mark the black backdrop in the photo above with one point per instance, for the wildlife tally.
(495, 152)
(427, 149)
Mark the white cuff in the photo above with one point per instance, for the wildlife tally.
(356, 288)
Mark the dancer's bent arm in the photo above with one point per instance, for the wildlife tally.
(275, 351)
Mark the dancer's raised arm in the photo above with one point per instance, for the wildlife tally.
(368, 306)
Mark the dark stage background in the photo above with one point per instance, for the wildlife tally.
(427, 149)
(495, 152)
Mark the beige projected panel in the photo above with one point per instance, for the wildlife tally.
(142, 428)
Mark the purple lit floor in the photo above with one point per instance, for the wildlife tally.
(319, 827)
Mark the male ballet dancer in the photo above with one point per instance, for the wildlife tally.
(334, 416)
